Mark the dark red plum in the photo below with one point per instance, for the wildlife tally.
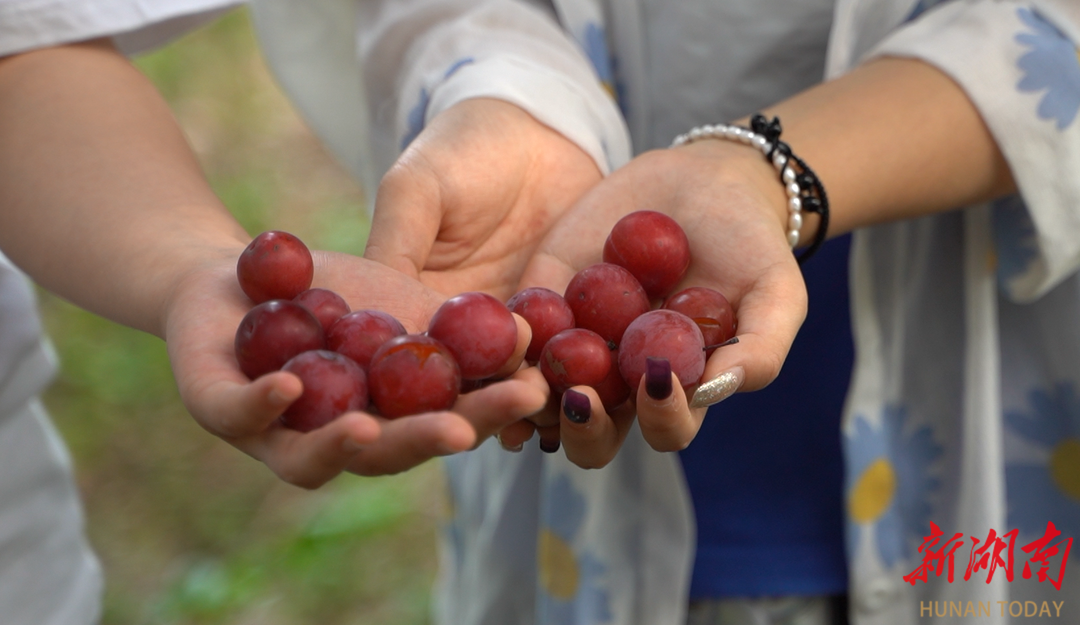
(272, 333)
(652, 247)
(547, 314)
(413, 373)
(361, 333)
(333, 385)
(479, 331)
(663, 334)
(275, 265)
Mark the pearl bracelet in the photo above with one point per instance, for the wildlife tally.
(804, 191)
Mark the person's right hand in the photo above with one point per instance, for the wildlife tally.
(201, 318)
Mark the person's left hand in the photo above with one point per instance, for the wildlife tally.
(730, 203)
(468, 202)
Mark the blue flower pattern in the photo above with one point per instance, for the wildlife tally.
(595, 44)
(1036, 494)
(562, 517)
(911, 458)
(922, 6)
(1015, 242)
(1052, 65)
(416, 119)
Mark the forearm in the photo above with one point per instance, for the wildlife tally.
(894, 139)
(101, 199)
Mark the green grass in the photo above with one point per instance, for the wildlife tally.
(191, 531)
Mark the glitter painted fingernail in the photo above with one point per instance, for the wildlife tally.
(718, 389)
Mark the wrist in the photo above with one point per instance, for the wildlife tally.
(743, 164)
(805, 194)
(205, 267)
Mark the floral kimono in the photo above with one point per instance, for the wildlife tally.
(963, 419)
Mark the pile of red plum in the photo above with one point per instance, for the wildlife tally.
(598, 333)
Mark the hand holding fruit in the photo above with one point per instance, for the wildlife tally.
(203, 316)
(731, 207)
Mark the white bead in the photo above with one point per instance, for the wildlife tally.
(793, 190)
(789, 175)
(779, 161)
(793, 238)
(695, 134)
(794, 221)
(731, 132)
(794, 204)
(760, 142)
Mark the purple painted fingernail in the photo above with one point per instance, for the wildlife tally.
(577, 407)
(658, 378)
(549, 447)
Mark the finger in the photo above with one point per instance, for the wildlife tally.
(667, 422)
(590, 436)
(407, 442)
(524, 336)
(514, 436)
(311, 459)
(549, 415)
(496, 406)
(230, 408)
(768, 319)
(407, 215)
(549, 438)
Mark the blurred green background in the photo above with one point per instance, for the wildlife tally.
(191, 531)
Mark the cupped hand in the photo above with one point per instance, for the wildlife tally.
(468, 202)
(732, 206)
(201, 318)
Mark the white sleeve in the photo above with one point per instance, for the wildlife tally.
(422, 56)
(135, 25)
(1019, 64)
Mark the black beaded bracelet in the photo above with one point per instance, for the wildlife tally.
(804, 190)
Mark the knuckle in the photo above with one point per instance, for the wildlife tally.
(668, 436)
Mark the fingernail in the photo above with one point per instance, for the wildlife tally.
(503, 444)
(549, 447)
(658, 378)
(718, 389)
(577, 407)
(277, 398)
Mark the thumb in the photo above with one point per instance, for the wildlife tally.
(406, 219)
